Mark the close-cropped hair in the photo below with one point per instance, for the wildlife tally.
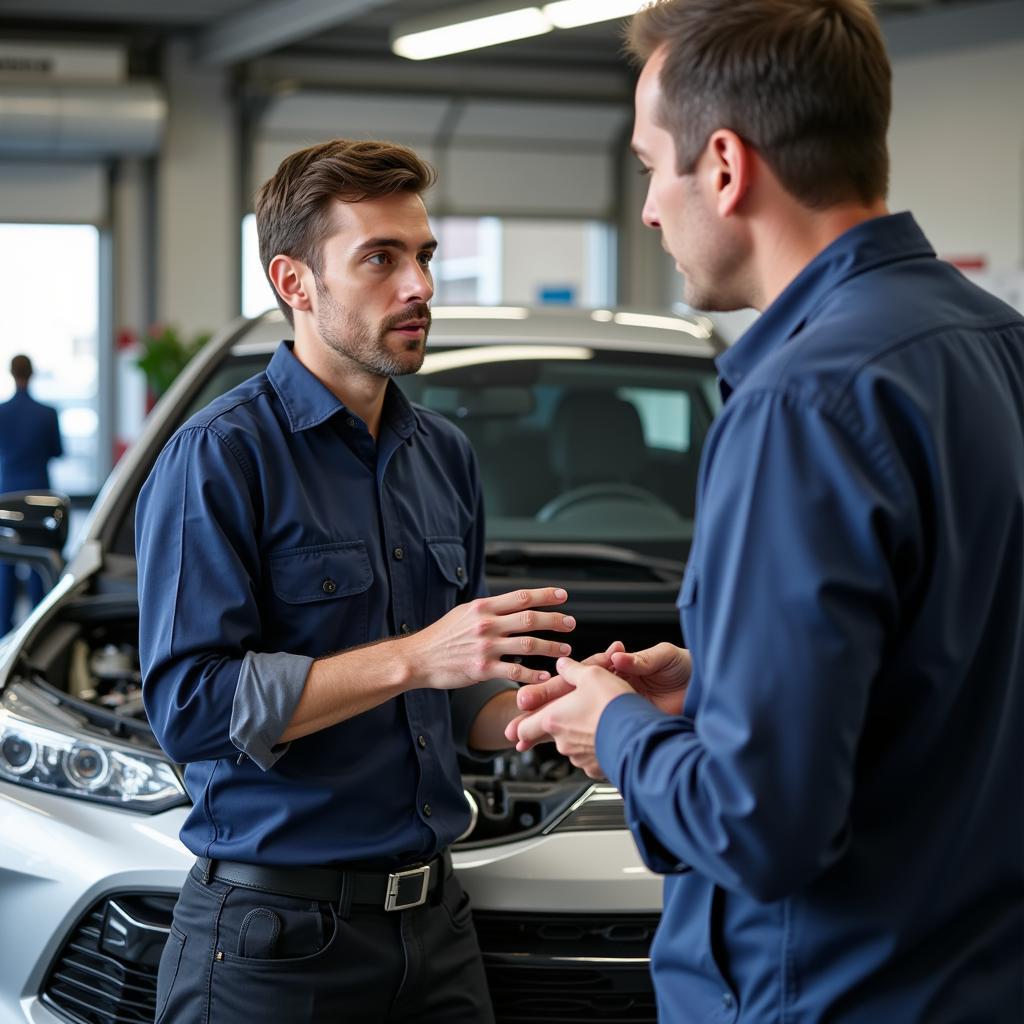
(293, 208)
(807, 83)
(21, 368)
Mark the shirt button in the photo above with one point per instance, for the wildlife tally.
(727, 1000)
(460, 572)
(329, 586)
(427, 812)
(405, 627)
(399, 554)
(422, 741)
(350, 421)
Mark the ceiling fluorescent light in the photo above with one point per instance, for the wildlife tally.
(570, 13)
(478, 26)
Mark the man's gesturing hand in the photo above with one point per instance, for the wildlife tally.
(465, 646)
(571, 720)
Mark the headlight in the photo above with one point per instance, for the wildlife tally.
(52, 756)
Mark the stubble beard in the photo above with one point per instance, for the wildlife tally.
(715, 274)
(354, 338)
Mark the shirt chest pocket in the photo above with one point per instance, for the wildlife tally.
(321, 596)
(447, 576)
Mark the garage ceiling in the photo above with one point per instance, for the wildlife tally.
(229, 32)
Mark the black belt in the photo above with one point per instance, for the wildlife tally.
(397, 890)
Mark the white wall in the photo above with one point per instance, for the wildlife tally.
(538, 255)
(957, 145)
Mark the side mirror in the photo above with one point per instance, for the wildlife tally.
(34, 529)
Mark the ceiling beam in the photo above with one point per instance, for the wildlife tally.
(269, 26)
(953, 27)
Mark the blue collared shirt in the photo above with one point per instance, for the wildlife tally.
(29, 438)
(273, 531)
(840, 807)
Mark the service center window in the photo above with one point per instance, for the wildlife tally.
(52, 316)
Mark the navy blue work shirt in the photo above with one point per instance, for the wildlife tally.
(29, 438)
(846, 781)
(272, 531)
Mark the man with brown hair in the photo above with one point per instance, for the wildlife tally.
(29, 439)
(309, 511)
(831, 775)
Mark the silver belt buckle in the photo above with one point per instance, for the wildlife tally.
(405, 884)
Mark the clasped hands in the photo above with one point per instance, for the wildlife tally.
(568, 707)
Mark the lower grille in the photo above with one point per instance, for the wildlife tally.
(569, 968)
(541, 968)
(106, 971)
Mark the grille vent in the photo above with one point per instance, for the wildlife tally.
(569, 969)
(90, 985)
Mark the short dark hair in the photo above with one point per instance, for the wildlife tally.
(21, 369)
(293, 208)
(806, 82)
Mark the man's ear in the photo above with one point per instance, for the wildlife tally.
(731, 169)
(291, 280)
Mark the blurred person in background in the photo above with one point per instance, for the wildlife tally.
(29, 438)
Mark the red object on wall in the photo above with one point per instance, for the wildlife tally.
(968, 262)
(124, 338)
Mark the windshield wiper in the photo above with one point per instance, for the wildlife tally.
(604, 561)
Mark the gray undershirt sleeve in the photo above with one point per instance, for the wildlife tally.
(466, 704)
(268, 691)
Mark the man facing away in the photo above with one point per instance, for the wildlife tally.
(29, 439)
(313, 510)
(832, 776)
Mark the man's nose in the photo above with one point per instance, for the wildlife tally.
(417, 283)
(649, 214)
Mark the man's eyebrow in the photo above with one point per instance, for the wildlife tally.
(394, 243)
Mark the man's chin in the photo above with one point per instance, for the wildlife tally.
(408, 362)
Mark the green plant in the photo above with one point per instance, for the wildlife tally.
(164, 354)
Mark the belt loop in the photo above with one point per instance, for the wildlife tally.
(207, 868)
(345, 896)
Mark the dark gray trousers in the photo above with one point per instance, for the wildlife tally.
(242, 956)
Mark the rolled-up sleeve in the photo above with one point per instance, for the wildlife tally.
(268, 691)
(207, 696)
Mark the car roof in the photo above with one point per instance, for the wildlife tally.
(621, 329)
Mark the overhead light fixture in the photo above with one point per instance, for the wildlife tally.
(572, 13)
(477, 26)
(499, 21)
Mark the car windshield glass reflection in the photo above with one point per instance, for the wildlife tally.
(577, 444)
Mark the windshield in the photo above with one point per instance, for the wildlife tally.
(600, 447)
(575, 444)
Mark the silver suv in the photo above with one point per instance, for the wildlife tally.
(588, 427)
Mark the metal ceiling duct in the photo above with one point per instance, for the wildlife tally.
(81, 120)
